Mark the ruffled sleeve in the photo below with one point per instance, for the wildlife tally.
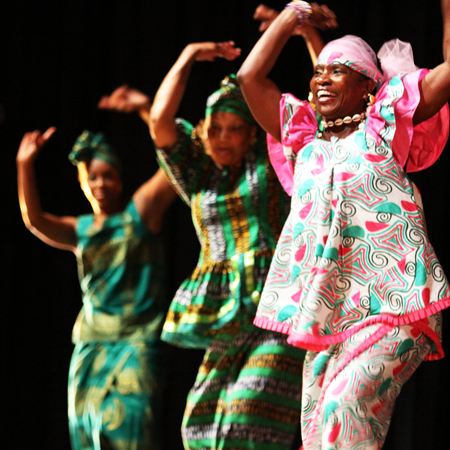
(186, 163)
(298, 127)
(391, 119)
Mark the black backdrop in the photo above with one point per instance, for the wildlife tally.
(57, 58)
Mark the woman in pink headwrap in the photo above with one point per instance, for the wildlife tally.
(354, 279)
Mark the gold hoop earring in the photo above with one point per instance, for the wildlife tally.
(310, 100)
(370, 100)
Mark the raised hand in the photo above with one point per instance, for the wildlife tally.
(125, 99)
(322, 18)
(265, 15)
(209, 51)
(31, 144)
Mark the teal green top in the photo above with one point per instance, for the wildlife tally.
(238, 214)
(121, 271)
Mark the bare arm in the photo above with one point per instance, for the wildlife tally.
(152, 200)
(126, 99)
(435, 86)
(169, 95)
(310, 34)
(54, 230)
(262, 94)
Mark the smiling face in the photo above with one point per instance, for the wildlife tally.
(227, 138)
(104, 186)
(339, 91)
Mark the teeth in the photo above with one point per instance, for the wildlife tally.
(325, 93)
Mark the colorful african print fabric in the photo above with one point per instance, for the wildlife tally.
(117, 366)
(238, 214)
(115, 396)
(247, 392)
(121, 270)
(354, 250)
(348, 401)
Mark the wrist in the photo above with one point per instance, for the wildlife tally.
(303, 10)
(192, 50)
(25, 162)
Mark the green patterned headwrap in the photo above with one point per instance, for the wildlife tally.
(93, 145)
(229, 98)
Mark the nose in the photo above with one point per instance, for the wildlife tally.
(323, 78)
(99, 182)
(223, 134)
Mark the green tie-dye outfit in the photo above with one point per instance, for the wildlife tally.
(116, 369)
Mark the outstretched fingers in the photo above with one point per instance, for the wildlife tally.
(323, 17)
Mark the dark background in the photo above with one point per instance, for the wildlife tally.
(57, 59)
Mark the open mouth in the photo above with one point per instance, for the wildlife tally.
(323, 95)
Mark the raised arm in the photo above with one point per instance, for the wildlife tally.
(54, 230)
(435, 86)
(310, 34)
(169, 95)
(127, 100)
(152, 200)
(262, 94)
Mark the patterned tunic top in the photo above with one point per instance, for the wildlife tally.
(121, 271)
(354, 250)
(238, 214)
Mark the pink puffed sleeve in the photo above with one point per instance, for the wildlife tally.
(415, 148)
(298, 127)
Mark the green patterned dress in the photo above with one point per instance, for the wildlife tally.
(248, 388)
(117, 367)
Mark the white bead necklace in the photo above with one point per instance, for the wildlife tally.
(346, 120)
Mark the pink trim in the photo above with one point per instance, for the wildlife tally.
(266, 324)
(296, 132)
(318, 343)
(416, 147)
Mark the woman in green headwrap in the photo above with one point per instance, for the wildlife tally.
(247, 391)
(117, 370)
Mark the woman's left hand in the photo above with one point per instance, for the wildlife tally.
(209, 51)
(322, 17)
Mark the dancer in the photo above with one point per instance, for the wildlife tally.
(116, 371)
(354, 279)
(248, 388)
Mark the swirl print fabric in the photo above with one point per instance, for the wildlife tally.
(354, 250)
(332, 418)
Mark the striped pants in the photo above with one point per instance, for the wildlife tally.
(247, 393)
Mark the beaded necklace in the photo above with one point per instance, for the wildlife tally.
(324, 124)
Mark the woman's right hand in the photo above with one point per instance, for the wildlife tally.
(322, 18)
(125, 99)
(31, 144)
(209, 51)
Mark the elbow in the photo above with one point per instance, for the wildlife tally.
(249, 79)
(155, 122)
(244, 76)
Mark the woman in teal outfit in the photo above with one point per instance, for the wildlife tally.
(117, 369)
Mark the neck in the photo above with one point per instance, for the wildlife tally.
(108, 210)
(341, 127)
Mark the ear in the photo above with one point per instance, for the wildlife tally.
(370, 85)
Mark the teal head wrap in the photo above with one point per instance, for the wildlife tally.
(229, 98)
(90, 145)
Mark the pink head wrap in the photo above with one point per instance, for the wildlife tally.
(395, 57)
